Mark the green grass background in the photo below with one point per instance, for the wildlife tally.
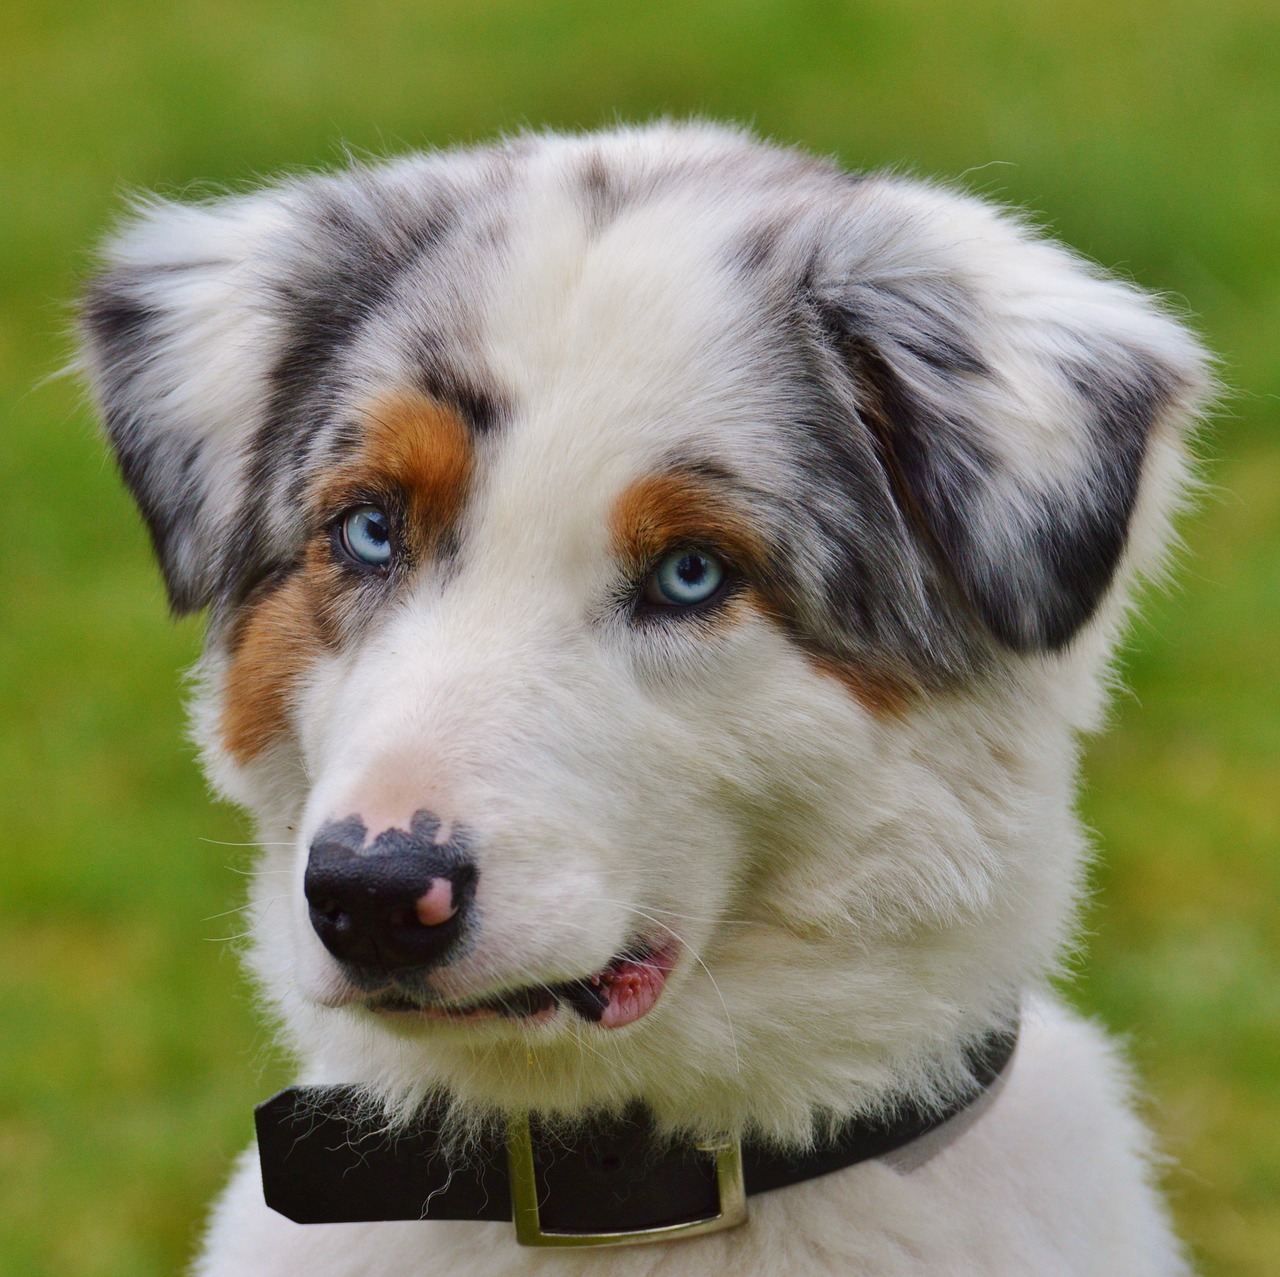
(1147, 133)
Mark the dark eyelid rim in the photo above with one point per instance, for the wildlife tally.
(341, 502)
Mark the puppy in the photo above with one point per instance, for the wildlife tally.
(656, 582)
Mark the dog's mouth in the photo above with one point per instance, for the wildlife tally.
(625, 991)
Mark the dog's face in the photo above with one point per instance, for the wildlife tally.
(654, 579)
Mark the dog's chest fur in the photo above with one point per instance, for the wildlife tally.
(697, 565)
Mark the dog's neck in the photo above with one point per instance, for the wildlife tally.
(325, 1160)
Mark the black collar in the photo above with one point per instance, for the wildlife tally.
(322, 1163)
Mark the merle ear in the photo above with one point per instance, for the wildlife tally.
(178, 338)
(1018, 399)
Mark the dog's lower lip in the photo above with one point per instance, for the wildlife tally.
(626, 990)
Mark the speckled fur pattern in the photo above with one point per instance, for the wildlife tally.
(937, 451)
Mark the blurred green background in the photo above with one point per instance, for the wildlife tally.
(1147, 133)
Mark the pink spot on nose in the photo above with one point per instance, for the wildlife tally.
(435, 905)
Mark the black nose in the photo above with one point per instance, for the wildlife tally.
(399, 903)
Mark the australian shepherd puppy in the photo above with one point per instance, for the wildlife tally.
(656, 584)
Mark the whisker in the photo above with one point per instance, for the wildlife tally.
(226, 913)
(584, 1045)
(265, 904)
(684, 917)
(219, 842)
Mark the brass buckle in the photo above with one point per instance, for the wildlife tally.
(524, 1198)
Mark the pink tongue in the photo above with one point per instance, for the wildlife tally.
(633, 988)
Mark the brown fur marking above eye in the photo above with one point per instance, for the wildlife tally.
(417, 447)
(681, 508)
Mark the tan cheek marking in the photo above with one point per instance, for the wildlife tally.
(274, 643)
(878, 692)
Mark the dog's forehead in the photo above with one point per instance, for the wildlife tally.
(648, 348)
(584, 355)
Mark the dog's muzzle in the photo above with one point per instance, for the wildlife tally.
(397, 903)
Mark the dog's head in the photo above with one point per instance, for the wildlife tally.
(654, 581)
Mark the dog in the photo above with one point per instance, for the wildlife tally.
(656, 584)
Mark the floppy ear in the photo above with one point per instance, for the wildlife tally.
(178, 341)
(1018, 399)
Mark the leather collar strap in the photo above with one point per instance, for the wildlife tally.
(323, 1164)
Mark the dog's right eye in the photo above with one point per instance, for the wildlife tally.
(365, 533)
(684, 580)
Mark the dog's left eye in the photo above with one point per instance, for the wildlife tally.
(685, 578)
(366, 535)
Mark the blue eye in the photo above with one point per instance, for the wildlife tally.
(366, 535)
(685, 578)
